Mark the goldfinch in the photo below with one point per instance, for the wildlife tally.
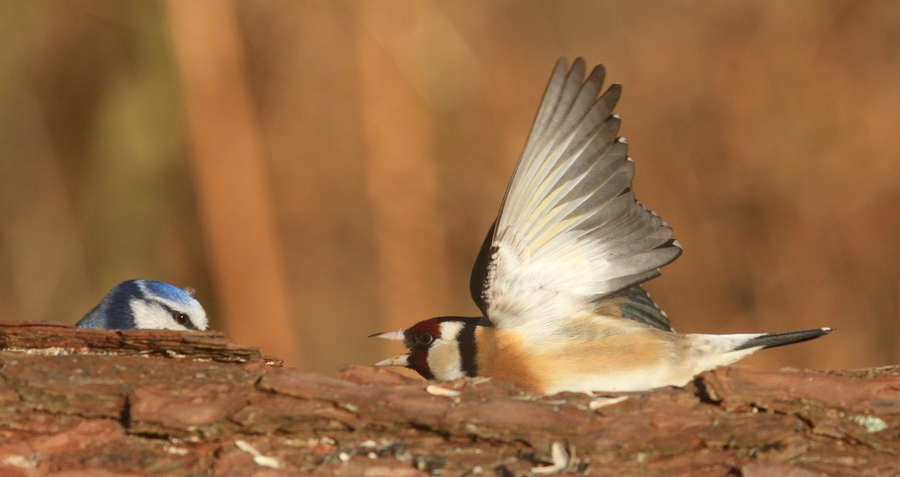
(558, 275)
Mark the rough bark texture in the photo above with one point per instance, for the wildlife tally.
(79, 402)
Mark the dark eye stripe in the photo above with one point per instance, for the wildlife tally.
(189, 325)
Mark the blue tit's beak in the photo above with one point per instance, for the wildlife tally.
(399, 360)
(390, 335)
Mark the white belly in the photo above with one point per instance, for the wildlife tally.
(635, 379)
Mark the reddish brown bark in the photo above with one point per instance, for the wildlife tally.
(169, 403)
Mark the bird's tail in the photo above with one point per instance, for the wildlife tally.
(773, 340)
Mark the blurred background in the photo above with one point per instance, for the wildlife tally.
(320, 171)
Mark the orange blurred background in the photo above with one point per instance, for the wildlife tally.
(319, 171)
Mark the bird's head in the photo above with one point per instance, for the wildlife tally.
(441, 348)
(146, 304)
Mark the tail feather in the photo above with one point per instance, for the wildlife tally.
(773, 340)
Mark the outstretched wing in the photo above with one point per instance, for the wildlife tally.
(570, 236)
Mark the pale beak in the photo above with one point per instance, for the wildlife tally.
(399, 360)
(390, 335)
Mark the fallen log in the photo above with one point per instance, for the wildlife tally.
(83, 402)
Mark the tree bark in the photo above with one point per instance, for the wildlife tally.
(170, 403)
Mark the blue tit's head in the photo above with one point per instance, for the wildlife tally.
(146, 304)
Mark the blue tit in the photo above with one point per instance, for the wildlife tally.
(558, 278)
(146, 304)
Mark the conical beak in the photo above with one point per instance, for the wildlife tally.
(390, 335)
(399, 360)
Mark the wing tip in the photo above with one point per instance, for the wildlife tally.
(673, 244)
(613, 94)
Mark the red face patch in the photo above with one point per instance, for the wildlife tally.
(418, 362)
(423, 333)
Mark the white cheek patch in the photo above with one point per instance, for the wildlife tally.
(198, 316)
(151, 316)
(444, 360)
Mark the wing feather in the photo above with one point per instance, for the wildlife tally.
(638, 306)
(570, 237)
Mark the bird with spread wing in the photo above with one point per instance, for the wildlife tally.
(558, 278)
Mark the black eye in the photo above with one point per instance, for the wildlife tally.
(425, 339)
(181, 318)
